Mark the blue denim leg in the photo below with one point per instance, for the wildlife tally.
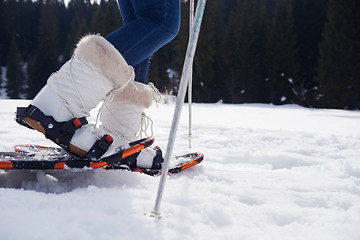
(148, 25)
(128, 15)
(141, 70)
(127, 11)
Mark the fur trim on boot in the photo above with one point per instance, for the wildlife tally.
(103, 55)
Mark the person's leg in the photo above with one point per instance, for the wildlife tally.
(141, 70)
(157, 22)
(128, 15)
(127, 11)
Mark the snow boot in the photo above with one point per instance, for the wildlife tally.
(60, 109)
(124, 118)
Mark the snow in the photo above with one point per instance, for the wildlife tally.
(269, 173)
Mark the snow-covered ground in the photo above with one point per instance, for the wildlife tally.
(269, 173)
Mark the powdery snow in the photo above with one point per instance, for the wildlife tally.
(269, 173)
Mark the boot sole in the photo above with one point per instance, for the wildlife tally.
(37, 126)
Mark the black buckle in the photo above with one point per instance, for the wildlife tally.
(20, 114)
(158, 159)
(100, 147)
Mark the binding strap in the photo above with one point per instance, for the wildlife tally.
(131, 161)
(158, 159)
(100, 147)
(61, 132)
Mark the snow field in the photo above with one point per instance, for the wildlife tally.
(269, 173)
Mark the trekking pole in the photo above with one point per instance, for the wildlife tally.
(190, 52)
(191, 26)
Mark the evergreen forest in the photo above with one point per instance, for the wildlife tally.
(304, 52)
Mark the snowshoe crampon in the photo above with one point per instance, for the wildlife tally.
(36, 157)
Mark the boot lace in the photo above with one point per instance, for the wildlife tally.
(156, 93)
(110, 96)
(145, 124)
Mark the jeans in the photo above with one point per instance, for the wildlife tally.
(147, 26)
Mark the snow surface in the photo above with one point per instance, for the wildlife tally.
(269, 173)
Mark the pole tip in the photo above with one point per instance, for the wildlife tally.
(154, 215)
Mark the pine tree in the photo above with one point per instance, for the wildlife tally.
(282, 62)
(180, 45)
(72, 37)
(10, 22)
(205, 84)
(3, 39)
(82, 30)
(77, 7)
(339, 62)
(309, 19)
(112, 17)
(98, 22)
(181, 40)
(241, 54)
(76, 11)
(14, 73)
(45, 60)
(225, 59)
(258, 86)
(225, 8)
(1, 80)
(103, 4)
(63, 25)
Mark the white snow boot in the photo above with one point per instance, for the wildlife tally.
(123, 118)
(61, 107)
